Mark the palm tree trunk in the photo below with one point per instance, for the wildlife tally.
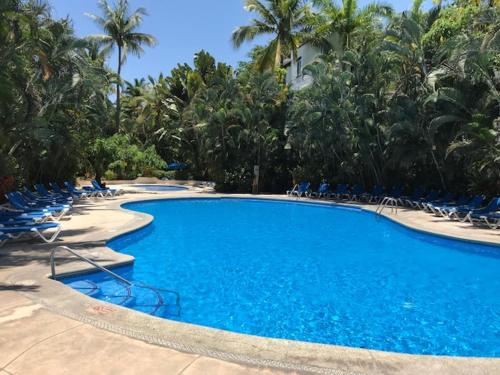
(98, 175)
(255, 185)
(374, 167)
(277, 57)
(438, 169)
(118, 103)
(430, 142)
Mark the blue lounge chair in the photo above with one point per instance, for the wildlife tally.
(415, 196)
(29, 196)
(114, 191)
(396, 192)
(17, 200)
(356, 192)
(431, 196)
(447, 198)
(323, 190)
(492, 220)
(442, 209)
(32, 214)
(3, 239)
(458, 211)
(37, 204)
(37, 217)
(474, 216)
(300, 189)
(97, 186)
(342, 191)
(16, 231)
(15, 222)
(57, 189)
(101, 193)
(42, 190)
(376, 195)
(78, 192)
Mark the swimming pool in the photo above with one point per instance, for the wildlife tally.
(160, 187)
(309, 272)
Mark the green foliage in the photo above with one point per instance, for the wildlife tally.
(53, 94)
(120, 27)
(284, 20)
(382, 111)
(452, 20)
(339, 26)
(222, 125)
(397, 98)
(118, 158)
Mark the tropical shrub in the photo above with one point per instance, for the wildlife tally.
(117, 157)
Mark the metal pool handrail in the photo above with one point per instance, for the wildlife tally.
(81, 257)
(387, 202)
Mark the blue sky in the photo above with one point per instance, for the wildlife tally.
(182, 27)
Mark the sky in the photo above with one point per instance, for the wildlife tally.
(182, 28)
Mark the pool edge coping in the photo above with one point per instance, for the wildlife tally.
(308, 201)
(262, 359)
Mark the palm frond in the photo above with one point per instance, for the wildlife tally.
(246, 33)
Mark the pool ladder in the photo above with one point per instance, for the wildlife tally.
(388, 202)
(85, 259)
(128, 283)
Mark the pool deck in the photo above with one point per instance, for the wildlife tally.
(46, 327)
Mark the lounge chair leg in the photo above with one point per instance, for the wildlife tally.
(465, 218)
(51, 218)
(491, 225)
(47, 240)
(63, 212)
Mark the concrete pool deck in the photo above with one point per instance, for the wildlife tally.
(46, 327)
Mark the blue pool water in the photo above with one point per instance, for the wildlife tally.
(160, 187)
(308, 272)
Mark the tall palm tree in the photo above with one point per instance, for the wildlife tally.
(285, 19)
(334, 26)
(120, 25)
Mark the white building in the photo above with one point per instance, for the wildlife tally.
(294, 74)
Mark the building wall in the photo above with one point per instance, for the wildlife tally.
(307, 53)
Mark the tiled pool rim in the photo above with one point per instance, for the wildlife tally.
(283, 354)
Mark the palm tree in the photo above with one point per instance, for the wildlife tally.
(403, 47)
(285, 19)
(120, 26)
(334, 26)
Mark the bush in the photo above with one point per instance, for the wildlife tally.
(110, 175)
(235, 181)
(120, 158)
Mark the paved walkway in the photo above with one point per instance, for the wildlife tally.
(34, 340)
(37, 337)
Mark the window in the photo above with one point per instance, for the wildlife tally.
(299, 67)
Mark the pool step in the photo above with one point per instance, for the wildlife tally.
(138, 296)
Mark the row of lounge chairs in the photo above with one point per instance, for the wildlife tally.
(342, 191)
(39, 212)
(463, 208)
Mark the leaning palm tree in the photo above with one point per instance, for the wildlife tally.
(120, 26)
(285, 19)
